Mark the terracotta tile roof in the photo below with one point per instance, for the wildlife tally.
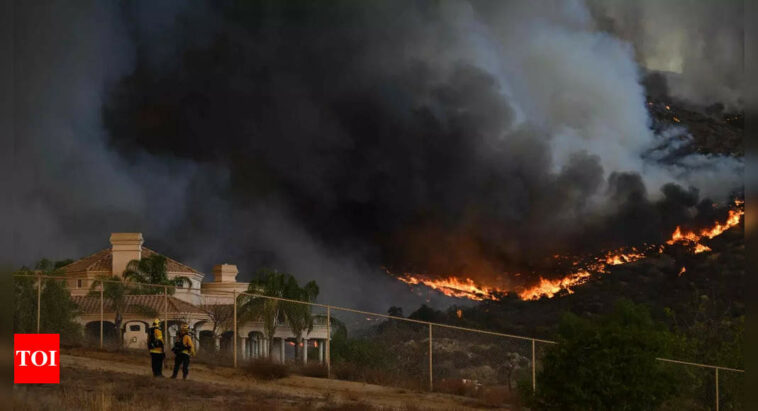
(102, 261)
(135, 304)
(99, 261)
(172, 266)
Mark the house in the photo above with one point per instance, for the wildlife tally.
(201, 305)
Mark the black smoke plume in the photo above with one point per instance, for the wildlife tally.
(332, 139)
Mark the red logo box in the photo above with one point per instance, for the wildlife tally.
(36, 359)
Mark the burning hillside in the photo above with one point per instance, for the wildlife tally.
(583, 268)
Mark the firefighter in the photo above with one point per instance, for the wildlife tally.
(155, 345)
(184, 348)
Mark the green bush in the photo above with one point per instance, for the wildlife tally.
(361, 352)
(606, 363)
(57, 310)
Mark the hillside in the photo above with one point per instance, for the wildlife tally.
(121, 381)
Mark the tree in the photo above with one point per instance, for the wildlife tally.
(298, 316)
(271, 312)
(270, 283)
(607, 363)
(115, 291)
(57, 309)
(714, 331)
(152, 270)
(426, 313)
(221, 316)
(395, 311)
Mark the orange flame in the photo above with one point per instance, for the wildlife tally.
(452, 286)
(693, 238)
(468, 288)
(548, 288)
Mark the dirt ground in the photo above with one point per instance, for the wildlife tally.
(111, 381)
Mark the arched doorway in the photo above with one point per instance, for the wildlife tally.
(227, 342)
(92, 333)
(207, 341)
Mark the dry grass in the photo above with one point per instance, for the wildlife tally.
(264, 369)
(457, 386)
(313, 370)
(352, 372)
(499, 396)
(488, 396)
(82, 389)
(96, 390)
(95, 380)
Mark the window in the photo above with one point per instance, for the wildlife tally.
(78, 283)
(134, 327)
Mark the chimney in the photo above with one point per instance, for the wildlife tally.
(225, 273)
(125, 247)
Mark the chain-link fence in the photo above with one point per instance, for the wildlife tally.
(245, 329)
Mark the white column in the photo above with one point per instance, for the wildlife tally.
(281, 351)
(305, 351)
(244, 348)
(321, 351)
(218, 342)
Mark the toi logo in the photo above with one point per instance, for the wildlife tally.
(36, 358)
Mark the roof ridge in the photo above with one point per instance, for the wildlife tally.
(84, 258)
(192, 270)
(105, 255)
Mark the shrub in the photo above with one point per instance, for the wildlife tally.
(264, 369)
(314, 370)
(498, 396)
(607, 363)
(457, 386)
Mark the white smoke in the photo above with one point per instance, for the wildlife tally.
(700, 43)
(578, 87)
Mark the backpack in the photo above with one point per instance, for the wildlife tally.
(179, 346)
(153, 342)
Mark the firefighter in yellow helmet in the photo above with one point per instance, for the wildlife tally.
(184, 348)
(155, 346)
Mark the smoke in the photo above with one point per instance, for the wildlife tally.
(331, 140)
(699, 44)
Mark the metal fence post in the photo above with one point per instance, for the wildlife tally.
(235, 328)
(102, 286)
(39, 299)
(717, 389)
(165, 322)
(534, 367)
(431, 377)
(328, 342)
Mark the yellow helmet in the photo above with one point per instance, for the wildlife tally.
(156, 322)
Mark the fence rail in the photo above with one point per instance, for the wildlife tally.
(328, 307)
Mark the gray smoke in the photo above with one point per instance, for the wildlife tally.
(455, 137)
(698, 44)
